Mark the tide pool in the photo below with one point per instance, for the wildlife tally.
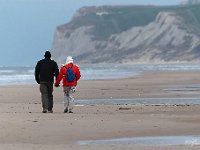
(187, 140)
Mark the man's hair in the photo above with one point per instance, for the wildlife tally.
(47, 54)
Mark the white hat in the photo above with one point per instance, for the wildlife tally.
(69, 60)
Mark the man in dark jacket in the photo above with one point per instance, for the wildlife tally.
(45, 71)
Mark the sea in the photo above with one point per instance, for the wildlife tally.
(25, 74)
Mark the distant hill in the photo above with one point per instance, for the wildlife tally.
(190, 2)
(130, 34)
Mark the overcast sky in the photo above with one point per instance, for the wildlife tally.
(27, 26)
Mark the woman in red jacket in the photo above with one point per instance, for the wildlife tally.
(68, 86)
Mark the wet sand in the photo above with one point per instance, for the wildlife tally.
(23, 126)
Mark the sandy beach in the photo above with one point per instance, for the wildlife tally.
(23, 126)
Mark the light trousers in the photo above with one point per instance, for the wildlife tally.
(68, 97)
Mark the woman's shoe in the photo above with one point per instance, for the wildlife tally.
(70, 111)
(66, 110)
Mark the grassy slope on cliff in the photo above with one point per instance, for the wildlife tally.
(120, 18)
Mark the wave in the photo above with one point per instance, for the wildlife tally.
(25, 75)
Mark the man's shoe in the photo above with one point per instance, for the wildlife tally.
(44, 111)
(66, 110)
(50, 111)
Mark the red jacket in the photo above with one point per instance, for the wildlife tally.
(62, 75)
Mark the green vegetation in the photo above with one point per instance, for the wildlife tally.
(191, 15)
(121, 18)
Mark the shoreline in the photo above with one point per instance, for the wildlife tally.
(152, 84)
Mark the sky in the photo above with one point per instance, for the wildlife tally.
(27, 26)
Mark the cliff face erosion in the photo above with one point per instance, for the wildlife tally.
(130, 34)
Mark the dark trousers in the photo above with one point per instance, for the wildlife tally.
(46, 90)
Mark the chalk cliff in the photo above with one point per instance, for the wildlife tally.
(130, 34)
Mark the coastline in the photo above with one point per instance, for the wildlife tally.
(23, 126)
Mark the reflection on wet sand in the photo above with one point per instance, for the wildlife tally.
(148, 141)
(143, 101)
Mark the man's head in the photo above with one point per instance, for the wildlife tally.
(47, 54)
(69, 60)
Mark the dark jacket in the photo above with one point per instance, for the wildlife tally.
(45, 70)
